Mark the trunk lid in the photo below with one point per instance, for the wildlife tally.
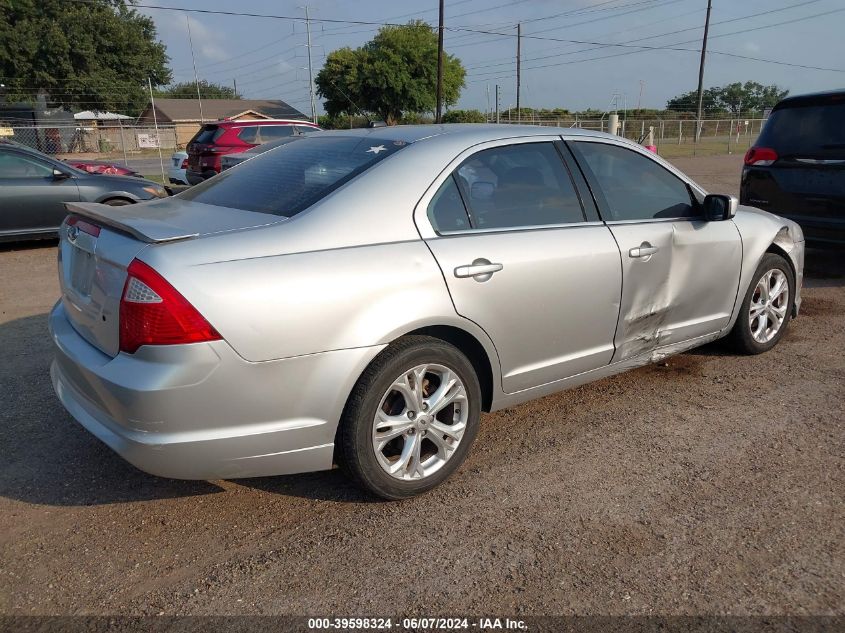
(95, 253)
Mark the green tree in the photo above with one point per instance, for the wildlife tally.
(394, 73)
(464, 116)
(90, 56)
(734, 99)
(188, 90)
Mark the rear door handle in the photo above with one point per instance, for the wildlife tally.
(481, 269)
(643, 250)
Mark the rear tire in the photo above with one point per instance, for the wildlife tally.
(766, 309)
(117, 202)
(411, 418)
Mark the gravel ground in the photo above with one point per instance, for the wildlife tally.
(711, 484)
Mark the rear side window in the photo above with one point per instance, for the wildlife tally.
(446, 209)
(634, 186)
(521, 185)
(293, 176)
(306, 129)
(208, 134)
(268, 133)
(249, 134)
(813, 130)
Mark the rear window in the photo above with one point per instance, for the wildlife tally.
(294, 176)
(815, 130)
(208, 134)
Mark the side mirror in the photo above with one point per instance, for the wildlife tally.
(719, 206)
(58, 174)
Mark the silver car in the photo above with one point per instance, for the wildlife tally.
(360, 297)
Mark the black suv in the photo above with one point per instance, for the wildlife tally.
(797, 167)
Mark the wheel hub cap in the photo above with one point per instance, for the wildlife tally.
(769, 305)
(420, 422)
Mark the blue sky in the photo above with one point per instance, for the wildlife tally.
(268, 57)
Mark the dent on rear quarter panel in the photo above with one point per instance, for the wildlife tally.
(288, 305)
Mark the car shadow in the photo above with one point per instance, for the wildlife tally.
(824, 268)
(28, 245)
(328, 485)
(46, 457)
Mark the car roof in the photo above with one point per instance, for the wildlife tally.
(813, 98)
(231, 123)
(469, 132)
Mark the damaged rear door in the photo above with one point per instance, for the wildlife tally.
(680, 273)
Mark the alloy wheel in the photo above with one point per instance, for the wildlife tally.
(769, 305)
(420, 422)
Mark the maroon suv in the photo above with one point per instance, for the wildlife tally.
(214, 140)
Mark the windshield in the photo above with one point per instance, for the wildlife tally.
(817, 130)
(292, 177)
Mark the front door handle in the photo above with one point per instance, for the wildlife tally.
(643, 250)
(481, 269)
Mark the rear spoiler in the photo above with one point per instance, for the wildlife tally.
(130, 219)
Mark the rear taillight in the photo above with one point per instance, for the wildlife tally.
(760, 156)
(184, 164)
(152, 312)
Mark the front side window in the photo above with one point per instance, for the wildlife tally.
(292, 177)
(634, 186)
(15, 166)
(518, 186)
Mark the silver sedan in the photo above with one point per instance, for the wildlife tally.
(360, 297)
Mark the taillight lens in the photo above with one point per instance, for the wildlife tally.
(152, 312)
(184, 164)
(760, 156)
(85, 227)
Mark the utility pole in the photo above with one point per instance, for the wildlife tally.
(497, 103)
(155, 123)
(640, 98)
(487, 111)
(235, 84)
(701, 72)
(518, 67)
(196, 78)
(310, 67)
(439, 115)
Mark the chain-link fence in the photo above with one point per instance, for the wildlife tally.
(672, 137)
(134, 146)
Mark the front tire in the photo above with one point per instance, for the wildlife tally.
(411, 418)
(767, 307)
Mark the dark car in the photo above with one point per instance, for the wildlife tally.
(214, 140)
(34, 188)
(797, 167)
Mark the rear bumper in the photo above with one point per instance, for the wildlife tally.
(202, 412)
(178, 176)
(195, 177)
(818, 231)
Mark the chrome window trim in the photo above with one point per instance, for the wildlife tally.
(423, 222)
(516, 229)
(696, 218)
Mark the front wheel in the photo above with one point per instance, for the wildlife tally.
(767, 307)
(411, 418)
